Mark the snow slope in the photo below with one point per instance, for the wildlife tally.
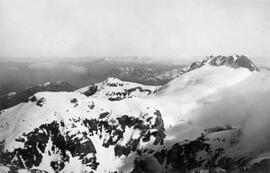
(46, 133)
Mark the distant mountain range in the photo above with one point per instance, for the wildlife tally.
(16, 76)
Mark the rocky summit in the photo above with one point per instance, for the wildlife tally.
(234, 61)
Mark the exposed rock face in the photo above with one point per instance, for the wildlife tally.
(48, 139)
(14, 98)
(202, 153)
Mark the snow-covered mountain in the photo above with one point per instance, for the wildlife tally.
(147, 130)
(67, 131)
(115, 89)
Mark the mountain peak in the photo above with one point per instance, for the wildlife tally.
(233, 61)
(113, 80)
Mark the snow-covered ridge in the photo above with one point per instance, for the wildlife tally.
(114, 89)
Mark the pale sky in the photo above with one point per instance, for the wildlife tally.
(155, 28)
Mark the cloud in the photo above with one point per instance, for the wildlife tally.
(244, 106)
(78, 69)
